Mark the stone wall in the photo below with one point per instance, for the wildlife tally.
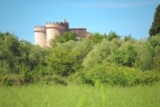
(80, 32)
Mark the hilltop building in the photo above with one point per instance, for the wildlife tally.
(44, 34)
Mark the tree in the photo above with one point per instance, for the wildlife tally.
(66, 36)
(155, 28)
(154, 47)
(143, 59)
(9, 54)
(129, 38)
(112, 35)
(125, 55)
(97, 38)
(37, 57)
(99, 54)
(60, 59)
(66, 58)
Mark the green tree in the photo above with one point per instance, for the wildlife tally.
(129, 38)
(80, 51)
(60, 60)
(99, 53)
(154, 48)
(143, 57)
(10, 52)
(25, 49)
(125, 55)
(112, 35)
(155, 28)
(37, 57)
(97, 38)
(66, 58)
(66, 36)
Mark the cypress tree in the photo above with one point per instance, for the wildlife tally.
(155, 28)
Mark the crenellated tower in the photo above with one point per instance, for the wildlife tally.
(40, 35)
(54, 29)
(45, 34)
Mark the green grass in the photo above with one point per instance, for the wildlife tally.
(79, 96)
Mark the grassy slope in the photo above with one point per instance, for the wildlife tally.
(80, 96)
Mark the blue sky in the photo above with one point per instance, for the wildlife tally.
(122, 16)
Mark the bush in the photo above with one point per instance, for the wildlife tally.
(118, 75)
(52, 80)
(12, 79)
(147, 77)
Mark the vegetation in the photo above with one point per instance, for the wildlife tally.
(155, 28)
(80, 96)
(66, 36)
(102, 70)
(107, 59)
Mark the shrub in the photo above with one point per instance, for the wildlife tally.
(112, 74)
(12, 79)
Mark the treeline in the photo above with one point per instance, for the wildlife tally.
(99, 58)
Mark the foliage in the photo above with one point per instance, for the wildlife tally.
(66, 58)
(66, 36)
(129, 38)
(143, 59)
(96, 37)
(112, 74)
(9, 46)
(155, 28)
(124, 55)
(112, 35)
(60, 59)
(154, 47)
(103, 59)
(99, 53)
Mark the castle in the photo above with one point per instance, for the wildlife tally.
(44, 34)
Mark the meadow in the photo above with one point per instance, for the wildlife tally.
(80, 96)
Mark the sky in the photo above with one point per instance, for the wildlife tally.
(125, 17)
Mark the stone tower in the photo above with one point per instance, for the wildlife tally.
(45, 34)
(40, 35)
(54, 29)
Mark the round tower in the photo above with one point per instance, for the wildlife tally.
(54, 29)
(40, 35)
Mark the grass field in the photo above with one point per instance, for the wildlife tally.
(79, 96)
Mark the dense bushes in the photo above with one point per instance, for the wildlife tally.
(66, 58)
(119, 75)
(107, 59)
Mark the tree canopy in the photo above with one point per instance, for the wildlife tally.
(105, 58)
(155, 28)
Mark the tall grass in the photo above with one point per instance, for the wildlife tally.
(79, 96)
